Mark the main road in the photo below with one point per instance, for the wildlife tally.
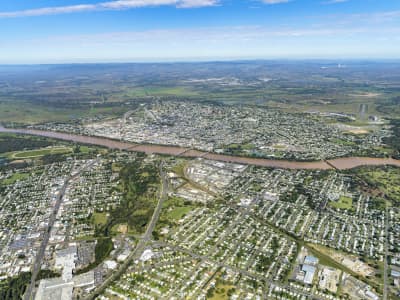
(386, 256)
(338, 163)
(39, 257)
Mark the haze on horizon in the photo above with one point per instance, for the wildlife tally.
(61, 31)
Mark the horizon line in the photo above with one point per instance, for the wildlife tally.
(199, 60)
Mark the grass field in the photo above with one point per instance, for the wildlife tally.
(29, 113)
(99, 218)
(22, 112)
(173, 210)
(179, 212)
(343, 203)
(159, 91)
(84, 149)
(116, 167)
(343, 142)
(384, 179)
(15, 177)
(221, 292)
(179, 168)
(38, 152)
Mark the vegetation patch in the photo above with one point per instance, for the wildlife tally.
(343, 142)
(238, 149)
(343, 203)
(221, 292)
(103, 248)
(179, 212)
(33, 112)
(179, 168)
(39, 152)
(14, 142)
(99, 218)
(383, 181)
(394, 140)
(173, 210)
(160, 91)
(176, 208)
(14, 288)
(14, 178)
(45, 273)
(139, 183)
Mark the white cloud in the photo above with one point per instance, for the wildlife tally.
(126, 4)
(236, 34)
(196, 3)
(110, 5)
(335, 1)
(48, 11)
(274, 1)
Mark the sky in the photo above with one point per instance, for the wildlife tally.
(64, 31)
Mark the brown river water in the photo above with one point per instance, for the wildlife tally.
(338, 163)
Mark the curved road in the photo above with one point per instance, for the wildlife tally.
(339, 163)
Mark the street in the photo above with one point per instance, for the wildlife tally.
(29, 293)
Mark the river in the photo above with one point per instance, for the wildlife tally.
(338, 163)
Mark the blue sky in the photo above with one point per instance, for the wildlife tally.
(53, 31)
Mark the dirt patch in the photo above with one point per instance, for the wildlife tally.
(366, 95)
(349, 261)
(123, 228)
(358, 131)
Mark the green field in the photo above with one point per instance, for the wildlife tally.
(22, 112)
(173, 210)
(15, 177)
(38, 152)
(178, 213)
(384, 181)
(159, 91)
(28, 113)
(176, 208)
(343, 203)
(139, 183)
(221, 292)
(99, 218)
(343, 142)
(84, 149)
